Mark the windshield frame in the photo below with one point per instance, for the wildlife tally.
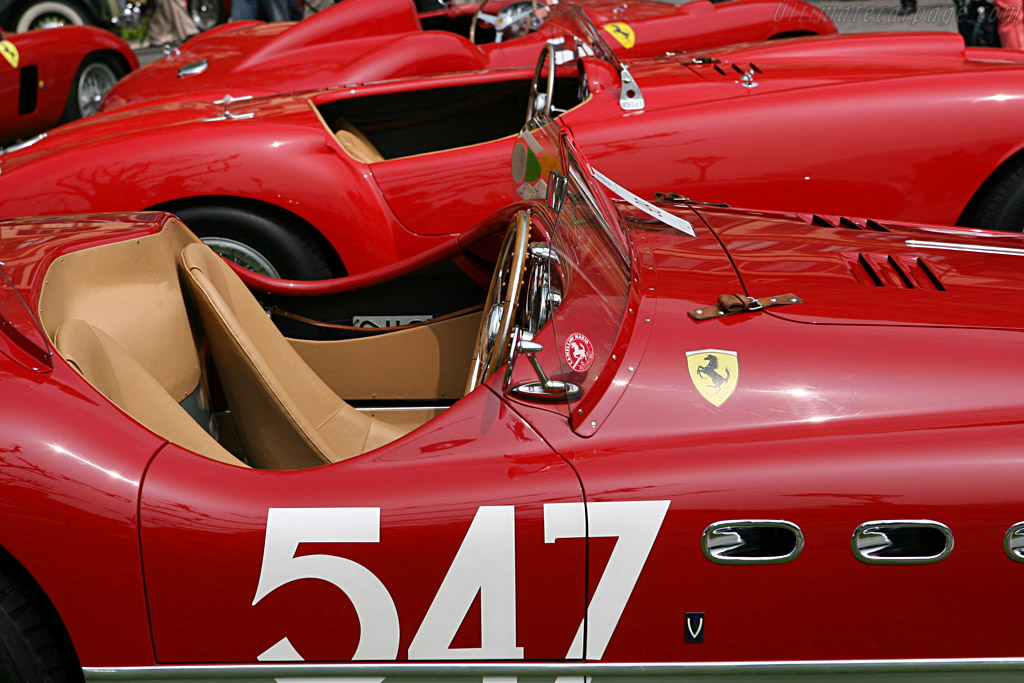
(603, 381)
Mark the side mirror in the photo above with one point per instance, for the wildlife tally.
(545, 390)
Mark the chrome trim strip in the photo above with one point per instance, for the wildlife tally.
(284, 672)
(228, 99)
(715, 542)
(23, 144)
(1013, 542)
(397, 409)
(974, 248)
(869, 539)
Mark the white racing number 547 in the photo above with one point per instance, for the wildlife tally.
(485, 563)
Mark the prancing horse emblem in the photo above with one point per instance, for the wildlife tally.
(714, 373)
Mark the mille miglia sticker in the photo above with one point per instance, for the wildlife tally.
(579, 352)
(714, 373)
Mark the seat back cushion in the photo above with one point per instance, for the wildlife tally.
(288, 418)
(355, 143)
(115, 373)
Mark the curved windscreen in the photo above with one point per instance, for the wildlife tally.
(594, 262)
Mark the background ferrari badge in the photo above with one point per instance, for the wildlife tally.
(622, 32)
(714, 372)
(9, 52)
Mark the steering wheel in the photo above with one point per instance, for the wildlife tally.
(493, 339)
(537, 102)
(508, 18)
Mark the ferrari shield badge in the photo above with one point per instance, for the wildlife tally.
(622, 32)
(714, 372)
(10, 53)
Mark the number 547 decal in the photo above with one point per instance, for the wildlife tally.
(485, 564)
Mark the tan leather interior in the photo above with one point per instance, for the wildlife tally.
(122, 316)
(351, 139)
(130, 290)
(287, 417)
(423, 363)
(117, 375)
(355, 144)
(407, 419)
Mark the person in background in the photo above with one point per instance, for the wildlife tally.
(1010, 19)
(907, 7)
(275, 10)
(169, 23)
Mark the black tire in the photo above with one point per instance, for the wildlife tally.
(96, 75)
(48, 14)
(29, 650)
(278, 239)
(1000, 206)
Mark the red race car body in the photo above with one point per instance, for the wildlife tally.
(313, 184)
(721, 421)
(359, 41)
(51, 76)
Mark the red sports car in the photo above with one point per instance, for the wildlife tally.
(48, 77)
(311, 185)
(359, 41)
(714, 442)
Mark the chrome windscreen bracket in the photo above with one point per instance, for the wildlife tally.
(630, 97)
(546, 390)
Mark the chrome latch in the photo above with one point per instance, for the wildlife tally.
(193, 68)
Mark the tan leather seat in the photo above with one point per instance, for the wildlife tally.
(116, 374)
(355, 143)
(287, 417)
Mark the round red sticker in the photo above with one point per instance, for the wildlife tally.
(579, 352)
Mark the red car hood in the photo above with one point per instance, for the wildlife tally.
(244, 54)
(760, 69)
(852, 271)
(854, 357)
(145, 123)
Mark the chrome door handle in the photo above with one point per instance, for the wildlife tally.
(902, 541)
(1013, 542)
(752, 541)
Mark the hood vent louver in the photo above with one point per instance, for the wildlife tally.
(884, 270)
(848, 223)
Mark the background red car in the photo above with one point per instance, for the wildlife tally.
(359, 41)
(310, 185)
(57, 75)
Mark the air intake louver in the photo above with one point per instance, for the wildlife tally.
(883, 270)
(849, 223)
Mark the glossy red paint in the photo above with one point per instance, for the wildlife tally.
(71, 466)
(809, 436)
(362, 41)
(865, 402)
(702, 134)
(428, 489)
(35, 89)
